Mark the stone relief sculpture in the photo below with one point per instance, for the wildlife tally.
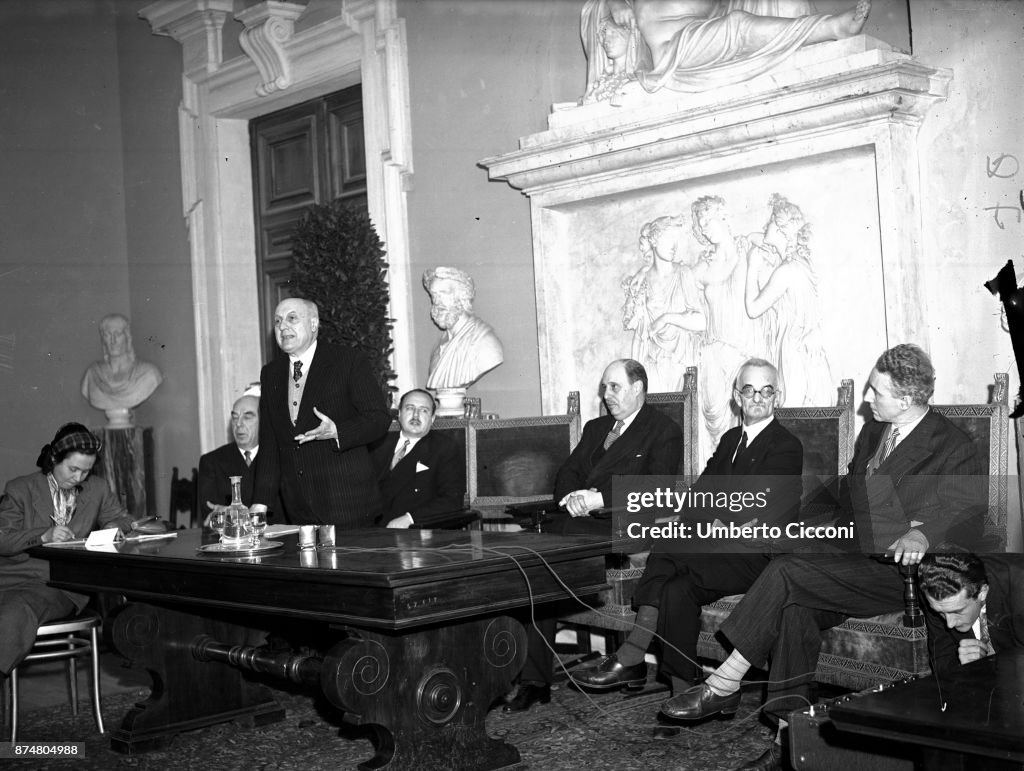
(732, 336)
(706, 297)
(780, 278)
(665, 305)
(120, 382)
(468, 347)
(698, 45)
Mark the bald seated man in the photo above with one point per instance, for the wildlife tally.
(237, 458)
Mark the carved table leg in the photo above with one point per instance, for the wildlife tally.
(426, 692)
(187, 693)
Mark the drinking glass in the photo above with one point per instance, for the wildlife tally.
(258, 523)
(218, 521)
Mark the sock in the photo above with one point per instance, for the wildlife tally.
(632, 652)
(783, 725)
(726, 679)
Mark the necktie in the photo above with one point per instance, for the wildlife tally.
(400, 454)
(983, 635)
(248, 457)
(740, 448)
(613, 434)
(886, 449)
(297, 371)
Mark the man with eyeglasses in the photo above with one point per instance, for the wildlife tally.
(674, 586)
(422, 475)
(915, 480)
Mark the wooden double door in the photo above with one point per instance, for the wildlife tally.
(312, 153)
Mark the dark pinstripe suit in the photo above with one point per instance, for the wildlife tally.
(926, 479)
(322, 482)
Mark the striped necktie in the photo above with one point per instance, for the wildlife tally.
(885, 450)
(400, 454)
(983, 634)
(613, 434)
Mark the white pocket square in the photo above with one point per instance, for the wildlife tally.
(420, 467)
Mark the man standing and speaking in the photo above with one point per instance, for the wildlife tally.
(320, 408)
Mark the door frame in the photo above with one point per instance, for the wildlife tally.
(282, 66)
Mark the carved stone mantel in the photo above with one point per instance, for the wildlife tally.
(855, 93)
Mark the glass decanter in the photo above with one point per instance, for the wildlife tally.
(237, 530)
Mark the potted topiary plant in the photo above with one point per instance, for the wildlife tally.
(339, 264)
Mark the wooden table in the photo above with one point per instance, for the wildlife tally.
(976, 713)
(425, 643)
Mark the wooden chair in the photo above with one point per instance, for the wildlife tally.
(184, 504)
(515, 460)
(509, 461)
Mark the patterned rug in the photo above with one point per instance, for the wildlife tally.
(575, 731)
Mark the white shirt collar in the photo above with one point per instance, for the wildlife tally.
(252, 452)
(412, 440)
(754, 429)
(306, 358)
(905, 428)
(628, 421)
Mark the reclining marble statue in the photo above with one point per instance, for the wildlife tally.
(699, 45)
(119, 382)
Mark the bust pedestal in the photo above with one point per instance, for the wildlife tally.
(451, 402)
(126, 462)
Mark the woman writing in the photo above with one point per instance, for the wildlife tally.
(60, 503)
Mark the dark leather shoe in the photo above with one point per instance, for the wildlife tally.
(528, 695)
(769, 760)
(700, 701)
(609, 673)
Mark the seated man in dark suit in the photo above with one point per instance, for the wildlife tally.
(975, 606)
(914, 481)
(761, 453)
(632, 439)
(234, 459)
(422, 475)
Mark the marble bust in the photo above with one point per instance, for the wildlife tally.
(468, 346)
(119, 382)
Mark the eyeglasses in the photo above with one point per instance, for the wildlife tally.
(748, 392)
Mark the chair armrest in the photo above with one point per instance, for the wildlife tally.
(913, 616)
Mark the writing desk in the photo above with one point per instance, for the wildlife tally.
(983, 715)
(425, 644)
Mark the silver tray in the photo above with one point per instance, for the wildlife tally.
(220, 548)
